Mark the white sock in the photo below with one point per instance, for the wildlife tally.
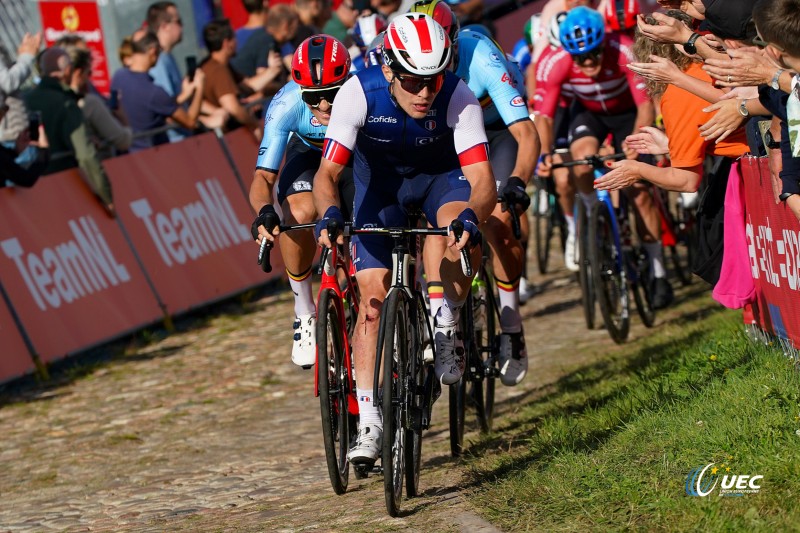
(303, 294)
(368, 412)
(656, 259)
(510, 320)
(448, 312)
(589, 199)
(570, 219)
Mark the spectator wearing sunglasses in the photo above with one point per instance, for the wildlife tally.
(294, 127)
(415, 134)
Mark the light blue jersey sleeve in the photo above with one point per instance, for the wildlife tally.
(497, 83)
(287, 114)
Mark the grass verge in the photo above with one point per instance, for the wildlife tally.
(610, 446)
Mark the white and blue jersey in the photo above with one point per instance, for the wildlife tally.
(496, 82)
(287, 115)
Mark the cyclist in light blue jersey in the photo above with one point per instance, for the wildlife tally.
(295, 126)
(514, 149)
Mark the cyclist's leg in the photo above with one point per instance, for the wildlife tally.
(372, 258)
(443, 197)
(298, 247)
(585, 135)
(506, 250)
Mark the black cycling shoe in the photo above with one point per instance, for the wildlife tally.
(661, 293)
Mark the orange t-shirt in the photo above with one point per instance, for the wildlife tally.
(683, 115)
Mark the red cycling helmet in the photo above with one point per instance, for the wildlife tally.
(320, 61)
(620, 15)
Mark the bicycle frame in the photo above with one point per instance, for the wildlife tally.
(332, 262)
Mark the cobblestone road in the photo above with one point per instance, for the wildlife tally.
(211, 428)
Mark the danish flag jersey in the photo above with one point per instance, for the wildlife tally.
(615, 90)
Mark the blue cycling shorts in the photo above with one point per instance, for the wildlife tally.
(383, 198)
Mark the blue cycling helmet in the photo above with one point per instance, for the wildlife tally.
(582, 31)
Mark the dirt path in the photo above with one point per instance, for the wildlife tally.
(212, 428)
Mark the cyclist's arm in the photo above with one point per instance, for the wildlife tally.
(465, 116)
(326, 190)
(279, 122)
(528, 148)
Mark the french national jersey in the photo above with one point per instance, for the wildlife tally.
(287, 114)
(615, 90)
(496, 82)
(367, 120)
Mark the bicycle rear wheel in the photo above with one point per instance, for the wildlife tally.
(485, 339)
(584, 263)
(334, 391)
(416, 397)
(641, 288)
(608, 274)
(543, 224)
(394, 358)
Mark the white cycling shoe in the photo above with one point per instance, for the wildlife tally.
(571, 256)
(450, 360)
(513, 358)
(304, 349)
(368, 444)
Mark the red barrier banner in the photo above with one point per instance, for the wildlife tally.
(15, 360)
(67, 268)
(243, 148)
(773, 240)
(188, 221)
(78, 18)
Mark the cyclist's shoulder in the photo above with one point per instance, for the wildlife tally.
(620, 47)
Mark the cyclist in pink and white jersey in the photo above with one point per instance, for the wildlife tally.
(609, 99)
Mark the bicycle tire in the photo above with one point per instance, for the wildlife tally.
(413, 445)
(543, 224)
(458, 396)
(585, 278)
(333, 392)
(641, 289)
(394, 320)
(486, 351)
(609, 278)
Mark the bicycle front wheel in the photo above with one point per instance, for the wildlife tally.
(485, 339)
(394, 358)
(584, 265)
(334, 391)
(641, 289)
(611, 288)
(543, 224)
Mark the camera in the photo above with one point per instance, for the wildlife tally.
(34, 120)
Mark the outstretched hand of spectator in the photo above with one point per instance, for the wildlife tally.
(30, 44)
(668, 29)
(649, 140)
(623, 174)
(741, 93)
(659, 69)
(274, 61)
(744, 67)
(726, 121)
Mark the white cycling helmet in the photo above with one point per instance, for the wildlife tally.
(554, 33)
(416, 44)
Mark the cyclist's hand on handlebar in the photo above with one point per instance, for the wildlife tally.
(623, 174)
(470, 234)
(514, 193)
(266, 224)
(545, 166)
(332, 215)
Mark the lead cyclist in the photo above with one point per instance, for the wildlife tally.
(415, 134)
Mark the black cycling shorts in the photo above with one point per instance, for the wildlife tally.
(297, 175)
(502, 155)
(590, 124)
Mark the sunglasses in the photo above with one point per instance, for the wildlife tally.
(314, 97)
(761, 43)
(594, 55)
(415, 84)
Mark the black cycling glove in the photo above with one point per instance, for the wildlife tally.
(268, 218)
